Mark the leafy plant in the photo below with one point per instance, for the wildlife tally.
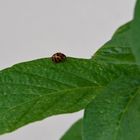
(107, 86)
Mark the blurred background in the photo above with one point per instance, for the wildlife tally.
(31, 29)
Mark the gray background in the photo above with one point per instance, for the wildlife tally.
(30, 29)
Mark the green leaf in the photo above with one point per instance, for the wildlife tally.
(115, 114)
(34, 90)
(75, 132)
(135, 33)
(124, 47)
(118, 49)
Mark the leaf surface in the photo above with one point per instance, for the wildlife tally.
(118, 49)
(135, 33)
(115, 114)
(34, 90)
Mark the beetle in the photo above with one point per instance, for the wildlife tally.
(58, 57)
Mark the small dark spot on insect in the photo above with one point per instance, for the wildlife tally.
(58, 57)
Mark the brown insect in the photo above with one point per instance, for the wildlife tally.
(58, 57)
